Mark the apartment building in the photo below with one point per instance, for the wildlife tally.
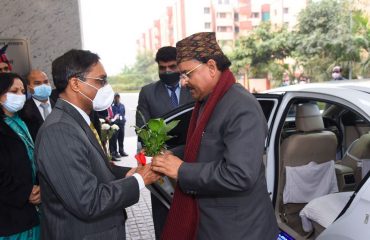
(230, 19)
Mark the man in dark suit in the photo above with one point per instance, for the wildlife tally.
(39, 106)
(155, 100)
(221, 190)
(83, 195)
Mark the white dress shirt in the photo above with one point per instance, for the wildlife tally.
(38, 104)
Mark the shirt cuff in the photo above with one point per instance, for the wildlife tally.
(140, 180)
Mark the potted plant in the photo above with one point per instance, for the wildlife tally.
(154, 135)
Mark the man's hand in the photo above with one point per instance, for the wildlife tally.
(167, 164)
(147, 174)
(35, 196)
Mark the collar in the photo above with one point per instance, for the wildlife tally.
(82, 112)
(38, 103)
(170, 86)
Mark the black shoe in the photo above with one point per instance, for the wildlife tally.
(123, 154)
(115, 155)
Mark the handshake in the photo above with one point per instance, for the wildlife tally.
(163, 164)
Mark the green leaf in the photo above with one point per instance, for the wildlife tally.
(155, 124)
(171, 125)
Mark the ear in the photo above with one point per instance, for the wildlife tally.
(74, 84)
(212, 67)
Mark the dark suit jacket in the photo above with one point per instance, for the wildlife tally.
(16, 213)
(154, 101)
(31, 115)
(228, 178)
(82, 198)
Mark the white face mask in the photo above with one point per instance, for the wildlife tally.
(14, 102)
(103, 98)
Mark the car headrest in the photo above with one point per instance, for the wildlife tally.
(308, 118)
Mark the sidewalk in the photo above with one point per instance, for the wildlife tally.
(139, 225)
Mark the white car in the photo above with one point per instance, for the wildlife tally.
(317, 158)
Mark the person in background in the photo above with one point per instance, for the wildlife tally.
(118, 112)
(221, 190)
(84, 195)
(336, 73)
(19, 190)
(156, 99)
(39, 106)
(5, 65)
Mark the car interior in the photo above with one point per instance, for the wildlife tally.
(324, 152)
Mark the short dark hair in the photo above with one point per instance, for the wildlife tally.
(6, 82)
(166, 54)
(74, 63)
(222, 62)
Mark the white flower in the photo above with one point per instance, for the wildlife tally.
(115, 127)
(101, 120)
(105, 126)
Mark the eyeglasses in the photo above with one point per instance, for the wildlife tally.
(4, 69)
(186, 75)
(103, 81)
(335, 71)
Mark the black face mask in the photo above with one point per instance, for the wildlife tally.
(169, 78)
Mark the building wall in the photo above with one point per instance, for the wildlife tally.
(52, 27)
(285, 12)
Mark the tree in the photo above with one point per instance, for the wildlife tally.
(261, 53)
(141, 73)
(330, 33)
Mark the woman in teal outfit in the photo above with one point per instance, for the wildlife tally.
(19, 190)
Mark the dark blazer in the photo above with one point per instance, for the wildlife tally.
(228, 178)
(31, 115)
(16, 213)
(154, 101)
(82, 197)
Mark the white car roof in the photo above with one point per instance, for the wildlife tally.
(331, 87)
(354, 91)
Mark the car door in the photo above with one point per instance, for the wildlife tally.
(270, 103)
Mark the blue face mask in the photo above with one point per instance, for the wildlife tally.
(14, 102)
(42, 92)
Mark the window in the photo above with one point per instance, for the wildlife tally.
(236, 29)
(207, 10)
(236, 17)
(207, 25)
(224, 29)
(219, 1)
(255, 15)
(221, 15)
(265, 16)
(227, 2)
(286, 10)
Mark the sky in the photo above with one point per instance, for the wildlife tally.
(110, 28)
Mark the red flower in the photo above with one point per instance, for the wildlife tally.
(140, 157)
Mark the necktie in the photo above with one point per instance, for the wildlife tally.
(110, 112)
(174, 101)
(45, 108)
(93, 129)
